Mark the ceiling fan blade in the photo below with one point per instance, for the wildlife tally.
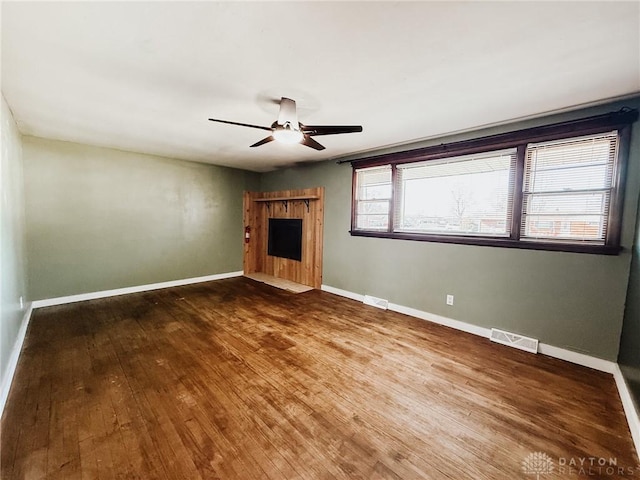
(310, 142)
(239, 124)
(263, 141)
(288, 113)
(329, 129)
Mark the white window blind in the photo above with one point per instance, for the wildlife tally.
(373, 198)
(465, 195)
(567, 189)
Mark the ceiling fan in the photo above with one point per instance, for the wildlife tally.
(287, 129)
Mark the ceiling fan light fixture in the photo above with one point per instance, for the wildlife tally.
(287, 129)
(288, 135)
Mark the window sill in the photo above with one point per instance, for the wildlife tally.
(492, 242)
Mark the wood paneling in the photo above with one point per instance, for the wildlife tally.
(238, 380)
(307, 204)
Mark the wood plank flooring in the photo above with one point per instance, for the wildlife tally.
(235, 379)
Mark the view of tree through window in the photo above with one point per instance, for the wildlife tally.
(555, 187)
(468, 195)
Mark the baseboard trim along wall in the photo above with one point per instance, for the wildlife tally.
(629, 408)
(15, 355)
(49, 302)
(543, 348)
(546, 349)
(447, 322)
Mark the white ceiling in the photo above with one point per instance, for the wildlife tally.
(146, 76)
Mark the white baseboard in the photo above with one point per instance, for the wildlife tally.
(48, 302)
(15, 353)
(13, 358)
(629, 408)
(343, 293)
(550, 350)
(543, 348)
(440, 320)
(596, 363)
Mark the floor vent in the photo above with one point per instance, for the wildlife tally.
(376, 302)
(514, 340)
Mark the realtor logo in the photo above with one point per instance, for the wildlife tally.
(537, 463)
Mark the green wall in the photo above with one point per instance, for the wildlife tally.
(99, 219)
(569, 300)
(629, 356)
(12, 241)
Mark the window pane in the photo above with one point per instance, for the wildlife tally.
(467, 195)
(586, 227)
(571, 178)
(373, 192)
(586, 203)
(374, 183)
(373, 197)
(567, 189)
(375, 206)
(372, 222)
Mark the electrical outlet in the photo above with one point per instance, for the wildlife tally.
(449, 299)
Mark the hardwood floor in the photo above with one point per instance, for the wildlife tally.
(238, 380)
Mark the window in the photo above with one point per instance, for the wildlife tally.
(468, 195)
(567, 189)
(373, 191)
(557, 187)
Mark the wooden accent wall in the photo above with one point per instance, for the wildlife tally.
(307, 204)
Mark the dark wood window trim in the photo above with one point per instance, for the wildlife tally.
(620, 120)
(586, 126)
(516, 213)
(395, 199)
